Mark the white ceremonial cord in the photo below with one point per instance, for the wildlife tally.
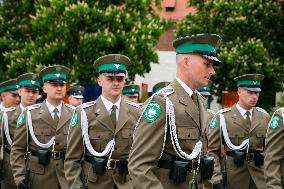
(244, 145)
(173, 131)
(85, 135)
(31, 129)
(6, 125)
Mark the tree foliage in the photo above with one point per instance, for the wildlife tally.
(75, 33)
(252, 36)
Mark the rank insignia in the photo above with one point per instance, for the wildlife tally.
(74, 121)
(152, 112)
(275, 122)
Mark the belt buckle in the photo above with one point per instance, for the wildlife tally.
(111, 164)
(56, 155)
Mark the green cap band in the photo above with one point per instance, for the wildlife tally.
(29, 82)
(127, 91)
(111, 66)
(192, 47)
(206, 88)
(248, 83)
(9, 88)
(54, 76)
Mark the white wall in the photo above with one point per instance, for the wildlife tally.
(164, 71)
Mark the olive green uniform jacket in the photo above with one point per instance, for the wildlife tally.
(101, 131)
(41, 176)
(274, 151)
(149, 146)
(248, 175)
(8, 182)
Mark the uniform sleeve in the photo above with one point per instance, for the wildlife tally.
(214, 148)
(274, 148)
(74, 152)
(19, 150)
(147, 148)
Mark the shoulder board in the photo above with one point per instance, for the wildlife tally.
(70, 106)
(199, 94)
(131, 103)
(10, 109)
(88, 104)
(31, 107)
(224, 110)
(166, 91)
(261, 110)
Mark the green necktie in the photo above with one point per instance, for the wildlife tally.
(248, 123)
(113, 114)
(56, 118)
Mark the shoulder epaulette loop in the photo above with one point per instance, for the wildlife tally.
(10, 109)
(261, 110)
(224, 110)
(70, 106)
(87, 104)
(131, 103)
(165, 92)
(32, 107)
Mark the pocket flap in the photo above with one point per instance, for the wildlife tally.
(127, 133)
(45, 132)
(100, 135)
(188, 133)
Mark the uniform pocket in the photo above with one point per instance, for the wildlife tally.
(100, 139)
(34, 166)
(237, 138)
(187, 137)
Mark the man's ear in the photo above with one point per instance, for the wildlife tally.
(44, 88)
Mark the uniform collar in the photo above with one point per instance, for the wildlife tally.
(185, 87)
(243, 111)
(109, 104)
(22, 107)
(51, 107)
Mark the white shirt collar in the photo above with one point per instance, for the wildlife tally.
(51, 108)
(243, 111)
(22, 107)
(185, 87)
(109, 104)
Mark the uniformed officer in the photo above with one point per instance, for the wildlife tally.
(101, 132)
(131, 93)
(205, 92)
(274, 151)
(240, 143)
(158, 86)
(39, 146)
(75, 95)
(9, 92)
(167, 141)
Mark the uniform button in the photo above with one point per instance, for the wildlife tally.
(188, 135)
(56, 164)
(115, 148)
(57, 143)
(115, 136)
